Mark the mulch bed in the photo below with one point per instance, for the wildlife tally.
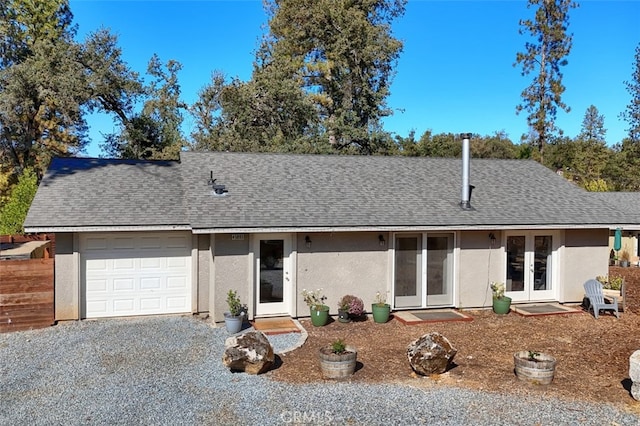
(593, 355)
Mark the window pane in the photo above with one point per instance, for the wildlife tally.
(271, 270)
(515, 263)
(407, 265)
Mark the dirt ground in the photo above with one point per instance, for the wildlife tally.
(593, 355)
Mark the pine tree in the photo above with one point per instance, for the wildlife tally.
(544, 56)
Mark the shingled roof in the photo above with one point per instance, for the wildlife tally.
(90, 193)
(295, 192)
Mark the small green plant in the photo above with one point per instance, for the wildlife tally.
(498, 289)
(612, 282)
(532, 355)
(338, 346)
(236, 308)
(314, 299)
(381, 299)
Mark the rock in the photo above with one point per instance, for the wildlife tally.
(635, 391)
(250, 352)
(634, 367)
(430, 354)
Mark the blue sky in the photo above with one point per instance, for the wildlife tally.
(455, 74)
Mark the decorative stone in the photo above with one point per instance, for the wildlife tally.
(635, 391)
(250, 352)
(430, 354)
(634, 374)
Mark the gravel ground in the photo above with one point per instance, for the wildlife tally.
(168, 371)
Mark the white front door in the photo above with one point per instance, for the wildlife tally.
(273, 274)
(530, 260)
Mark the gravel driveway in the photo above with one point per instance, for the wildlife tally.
(168, 371)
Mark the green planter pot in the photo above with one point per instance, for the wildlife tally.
(502, 306)
(380, 313)
(319, 317)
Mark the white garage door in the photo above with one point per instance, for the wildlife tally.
(135, 273)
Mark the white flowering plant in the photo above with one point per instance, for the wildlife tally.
(314, 299)
(498, 289)
(381, 299)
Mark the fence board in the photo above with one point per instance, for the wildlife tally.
(26, 294)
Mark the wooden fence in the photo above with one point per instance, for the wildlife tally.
(26, 293)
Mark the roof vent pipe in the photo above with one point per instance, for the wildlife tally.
(465, 202)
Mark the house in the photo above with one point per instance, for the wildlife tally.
(155, 237)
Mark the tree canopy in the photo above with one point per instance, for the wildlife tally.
(321, 76)
(48, 82)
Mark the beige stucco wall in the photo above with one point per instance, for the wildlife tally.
(67, 305)
(232, 270)
(340, 264)
(479, 263)
(585, 255)
(202, 287)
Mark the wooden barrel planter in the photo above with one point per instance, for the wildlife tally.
(539, 368)
(337, 366)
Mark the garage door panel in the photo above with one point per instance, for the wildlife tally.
(175, 302)
(176, 283)
(151, 284)
(151, 243)
(150, 304)
(123, 243)
(178, 242)
(95, 243)
(123, 264)
(150, 263)
(124, 306)
(119, 280)
(123, 285)
(96, 264)
(96, 285)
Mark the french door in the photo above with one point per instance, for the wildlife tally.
(273, 274)
(423, 270)
(530, 261)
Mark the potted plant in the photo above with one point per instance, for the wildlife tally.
(337, 360)
(611, 285)
(534, 367)
(624, 258)
(234, 318)
(350, 307)
(319, 311)
(501, 303)
(380, 308)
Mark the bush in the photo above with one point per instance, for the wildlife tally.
(14, 212)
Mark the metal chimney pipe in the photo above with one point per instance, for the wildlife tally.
(465, 202)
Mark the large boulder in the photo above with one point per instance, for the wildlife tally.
(430, 354)
(250, 352)
(634, 374)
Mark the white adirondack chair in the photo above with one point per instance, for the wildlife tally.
(597, 302)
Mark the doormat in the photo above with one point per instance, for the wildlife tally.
(431, 315)
(538, 309)
(278, 325)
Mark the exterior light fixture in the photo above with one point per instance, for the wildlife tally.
(307, 241)
(381, 240)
